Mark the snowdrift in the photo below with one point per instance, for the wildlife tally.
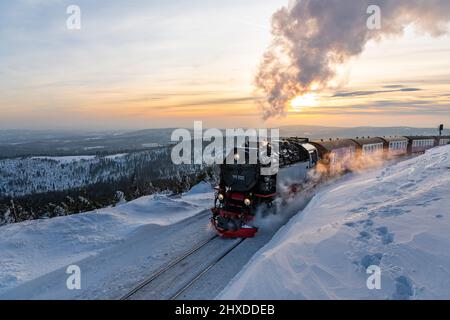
(31, 249)
(397, 218)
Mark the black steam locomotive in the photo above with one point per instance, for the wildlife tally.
(243, 187)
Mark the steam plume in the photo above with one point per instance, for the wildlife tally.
(310, 38)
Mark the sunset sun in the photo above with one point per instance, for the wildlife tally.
(306, 100)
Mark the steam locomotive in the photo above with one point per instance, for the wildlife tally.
(242, 187)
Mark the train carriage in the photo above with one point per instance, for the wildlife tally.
(370, 147)
(337, 155)
(395, 146)
(419, 144)
(442, 140)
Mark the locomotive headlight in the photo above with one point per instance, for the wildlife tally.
(247, 202)
(220, 197)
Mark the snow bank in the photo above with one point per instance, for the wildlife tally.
(34, 248)
(397, 218)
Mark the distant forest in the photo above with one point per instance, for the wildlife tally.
(34, 188)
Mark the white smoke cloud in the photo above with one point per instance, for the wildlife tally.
(311, 38)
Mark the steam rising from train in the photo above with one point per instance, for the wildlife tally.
(312, 38)
(346, 163)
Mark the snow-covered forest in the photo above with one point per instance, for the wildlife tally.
(35, 187)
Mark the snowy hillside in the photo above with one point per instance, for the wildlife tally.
(397, 218)
(33, 249)
(22, 176)
(41, 187)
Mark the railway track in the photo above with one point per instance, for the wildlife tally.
(212, 264)
(179, 275)
(192, 268)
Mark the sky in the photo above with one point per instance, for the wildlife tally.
(150, 64)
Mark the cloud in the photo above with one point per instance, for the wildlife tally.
(372, 92)
(384, 107)
(162, 104)
(312, 38)
(221, 101)
(393, 86)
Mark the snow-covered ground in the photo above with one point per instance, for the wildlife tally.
(397, 218)
(38, 249)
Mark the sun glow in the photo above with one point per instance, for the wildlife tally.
(306, 100)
